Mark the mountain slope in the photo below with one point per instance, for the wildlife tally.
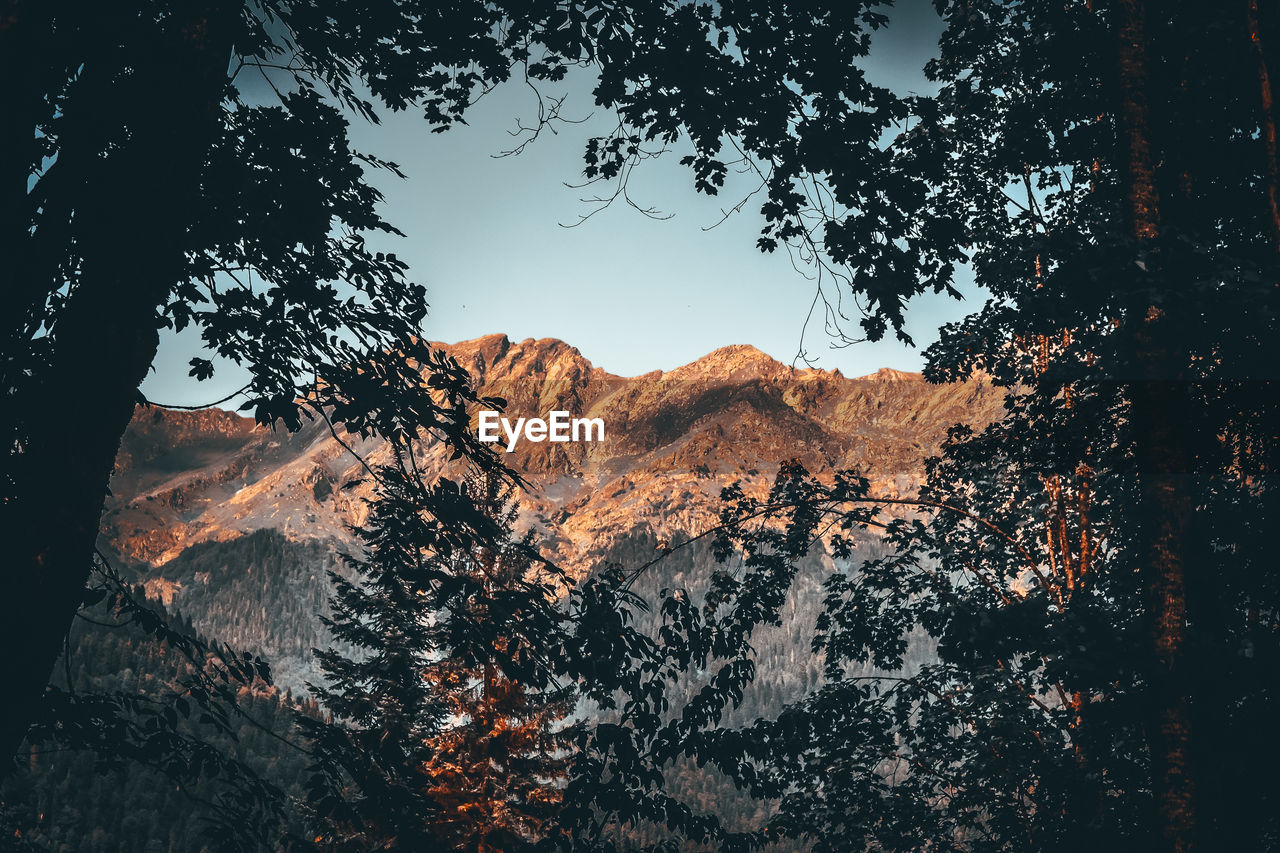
(235, 524)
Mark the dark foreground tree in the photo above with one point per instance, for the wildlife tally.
(446, 730)
(142, 189)
(1095, 570)
(369, 789)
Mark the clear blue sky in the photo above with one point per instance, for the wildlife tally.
(486, 236)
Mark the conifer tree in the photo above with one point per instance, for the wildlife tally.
(369, 788)
(497, 769)
(446, 730)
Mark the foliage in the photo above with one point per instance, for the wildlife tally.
(281, 210)
(256, 210)
(256, 213)
(1093, 569)
(446, 726)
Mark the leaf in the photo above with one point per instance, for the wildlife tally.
(201, 369)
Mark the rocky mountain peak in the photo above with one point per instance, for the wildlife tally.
(888, 374)
(735, 363)
(495, 360)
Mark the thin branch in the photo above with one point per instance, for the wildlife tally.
(231, 396)
(334, 432)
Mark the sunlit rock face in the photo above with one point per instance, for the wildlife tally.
(236, 524)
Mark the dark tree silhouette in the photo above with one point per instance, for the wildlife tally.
(1095, 569)
(369, 791)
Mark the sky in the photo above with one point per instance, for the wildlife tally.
(487, 235)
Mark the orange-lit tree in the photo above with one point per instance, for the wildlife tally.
(445, 729)
(496, 770)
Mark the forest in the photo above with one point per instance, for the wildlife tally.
(1066, 635)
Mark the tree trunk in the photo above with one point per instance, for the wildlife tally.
(1157, 407)
(131, 214)
(1266, 104)
(23, 27)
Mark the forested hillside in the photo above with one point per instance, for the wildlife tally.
(66, 800)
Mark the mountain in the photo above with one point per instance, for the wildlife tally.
(234, 524)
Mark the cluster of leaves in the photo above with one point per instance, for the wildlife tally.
(1026, 569)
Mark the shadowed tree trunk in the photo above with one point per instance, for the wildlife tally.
(22, 23)
(1268, 121)
(1157, 410)
(131, 215)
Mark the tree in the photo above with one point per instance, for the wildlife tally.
(1094, 568)
(498, 768)
(369, 789)
(1144, 289)
(445, 727)
(142, 190)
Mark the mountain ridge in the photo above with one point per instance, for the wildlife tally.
(202, 501)
(495, 347)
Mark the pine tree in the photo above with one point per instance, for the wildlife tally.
(446, 730)
(497, 769)
(368, 791)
